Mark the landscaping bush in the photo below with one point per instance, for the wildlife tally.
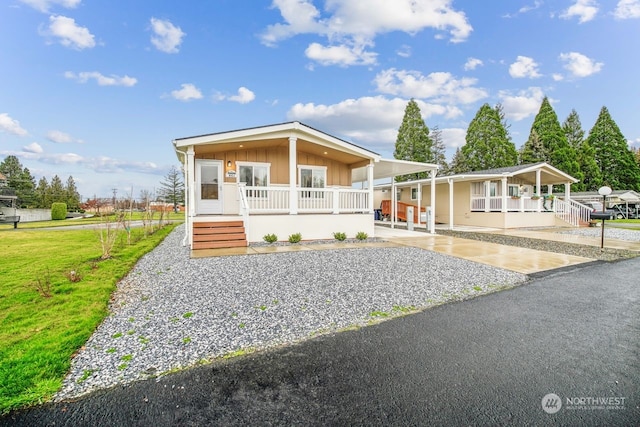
(295, 238)
(270, 238)
(361, 235)
(340, 236)
(58, 211)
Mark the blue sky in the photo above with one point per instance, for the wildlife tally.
(98, 90)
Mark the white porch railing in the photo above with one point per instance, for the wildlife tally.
(521, 204)
(572, 212)
(310, 200)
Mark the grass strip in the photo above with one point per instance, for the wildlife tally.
(54, 292)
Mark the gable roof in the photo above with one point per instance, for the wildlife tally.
(281, 130)
(549, 174)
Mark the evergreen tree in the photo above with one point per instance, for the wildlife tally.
(572, 129)
(19, 179)
(43, 198)
(172, 187)
(487, 144)
(438, 150)
(556, 148)
(533, 150)
(591, 177)
(56, 190)
(617, 164)
(413, 142)
(458, 164)
(72, 195)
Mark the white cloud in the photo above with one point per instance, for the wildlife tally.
(45, 5)
(370, 121)
(34, 147)
(244, 96)
(524, 67)
(404, 51)
(557, 77)
(351, 26)
(454, 137)
(580, 65)
(342, 55)
(585, 10)
(10, 125)
(167, 37)
(102, 80)
(473, 63)
(187, 93)
(521, 105)
(627, 9)
(524, 9)
(70, 34)
(60, 137)
(439, 86)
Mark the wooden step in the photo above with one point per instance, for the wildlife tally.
(219, 234)
(218, 245)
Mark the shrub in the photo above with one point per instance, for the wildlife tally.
(295, 238)
(340, 236)
(361, 235)
(270, 238)
(58, 211)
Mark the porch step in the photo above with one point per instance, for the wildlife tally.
(220, 234)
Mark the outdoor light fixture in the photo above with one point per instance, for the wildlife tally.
(228, 163)
(604, 192)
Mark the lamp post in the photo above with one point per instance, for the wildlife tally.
(604, 192)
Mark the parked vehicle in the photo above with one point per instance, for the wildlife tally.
(626, 210)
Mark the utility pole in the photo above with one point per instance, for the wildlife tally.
(113, 203)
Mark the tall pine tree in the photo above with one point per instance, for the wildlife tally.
(616, 161)
(591, 177)
(172, 187)
(413, 142)
(487, 142)
(438, 150)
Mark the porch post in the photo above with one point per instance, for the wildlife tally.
(432, 219)
(370, 185)
(293, 169)
(504, 195)
(191, 189)
(450, 181)
(538, 190)
(567, 191)
(394, 200)
(487, 196)
(419, 196)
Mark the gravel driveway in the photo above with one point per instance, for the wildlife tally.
(172, 311)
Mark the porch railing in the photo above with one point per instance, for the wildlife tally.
(519, 204)
(309, 200)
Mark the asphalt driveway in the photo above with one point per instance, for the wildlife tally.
(486, 361)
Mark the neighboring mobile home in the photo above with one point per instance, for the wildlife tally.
(279, 179)
(510, 197)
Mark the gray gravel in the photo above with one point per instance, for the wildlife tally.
(609, 233)
(172, 311)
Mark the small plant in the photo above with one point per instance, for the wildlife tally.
(143, 340)
(234, 315)
(111, 350)
(339, 236)
(275, 302)
(74, 276)
(131, 332)
(116, 335)
(85, 374)
(174, 319)
(378, 313)
(126, 358)
(270, 238)
(132, 319)
(186, 340)
(187, 315)
(477, 288)
(295, 238)
(361, 235)
(43, 285)
(241, 325)
(122, 366)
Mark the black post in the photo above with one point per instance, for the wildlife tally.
(604, 203)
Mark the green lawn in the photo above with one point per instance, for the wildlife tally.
(38, 334)
(134, 216)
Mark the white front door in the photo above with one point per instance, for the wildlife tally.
(208, 187)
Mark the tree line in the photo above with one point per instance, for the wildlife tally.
(41, 194)
(603, 157)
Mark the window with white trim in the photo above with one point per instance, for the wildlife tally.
(514, 190)
(254, 175)
(312, 177)
(414, 193)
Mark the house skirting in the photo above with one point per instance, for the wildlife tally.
(502, 219)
